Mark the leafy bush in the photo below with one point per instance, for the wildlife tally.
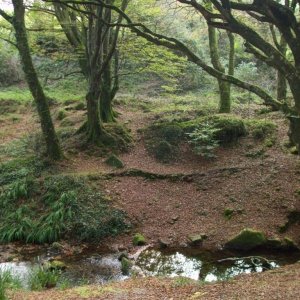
(203, 139)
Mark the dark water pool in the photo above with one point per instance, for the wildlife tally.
(204, 266)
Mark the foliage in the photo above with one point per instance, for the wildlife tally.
(41, 278)
(203, 138)
(8, 281)
(44, 211)
(260, 129)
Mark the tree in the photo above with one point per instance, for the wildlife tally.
(87, 27)
(224, 86)
(17, 20)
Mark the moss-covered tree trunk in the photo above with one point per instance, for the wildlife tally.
(224, 86)
(106, 98)
(18, 22)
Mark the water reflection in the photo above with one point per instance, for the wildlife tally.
(156, 263)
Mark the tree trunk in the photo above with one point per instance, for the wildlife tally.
(281, 87)
(52, 143)
(94, 124)
(224, 87)
(106, 110)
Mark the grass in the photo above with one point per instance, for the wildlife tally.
(8, 281)
(43, 278)
(46, 210)
(61, 91)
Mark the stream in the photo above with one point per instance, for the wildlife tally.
(199, 265)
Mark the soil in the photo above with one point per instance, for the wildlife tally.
(261, 190)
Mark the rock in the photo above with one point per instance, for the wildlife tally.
(274, 243)
(126, 265)
(196, 239)
(114, 161)
(139, 240)
(57, 246)
(289, 244)
(55, 265)
(163, 243)
(246, 240)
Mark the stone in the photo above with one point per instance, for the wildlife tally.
(114, 161)
(246, 240)
(196, 239)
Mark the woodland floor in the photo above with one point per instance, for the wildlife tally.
(261, 191)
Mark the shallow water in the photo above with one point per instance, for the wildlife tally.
(204, 266)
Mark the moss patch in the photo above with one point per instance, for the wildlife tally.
(138, 240)
(247, 239)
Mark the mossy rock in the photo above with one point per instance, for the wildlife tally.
(138, 240)
(55, 265)
(247, 239)
(163, 150)
(114, 161)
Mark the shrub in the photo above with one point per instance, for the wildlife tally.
(203, 139)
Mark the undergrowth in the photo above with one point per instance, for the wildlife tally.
(45, 210)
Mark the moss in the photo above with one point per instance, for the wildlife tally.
(228, 212)
(230, 128)
(138, 240)
(61, 114)
(114, 161)
(55, 265)
(247, 239)
(260, 129)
